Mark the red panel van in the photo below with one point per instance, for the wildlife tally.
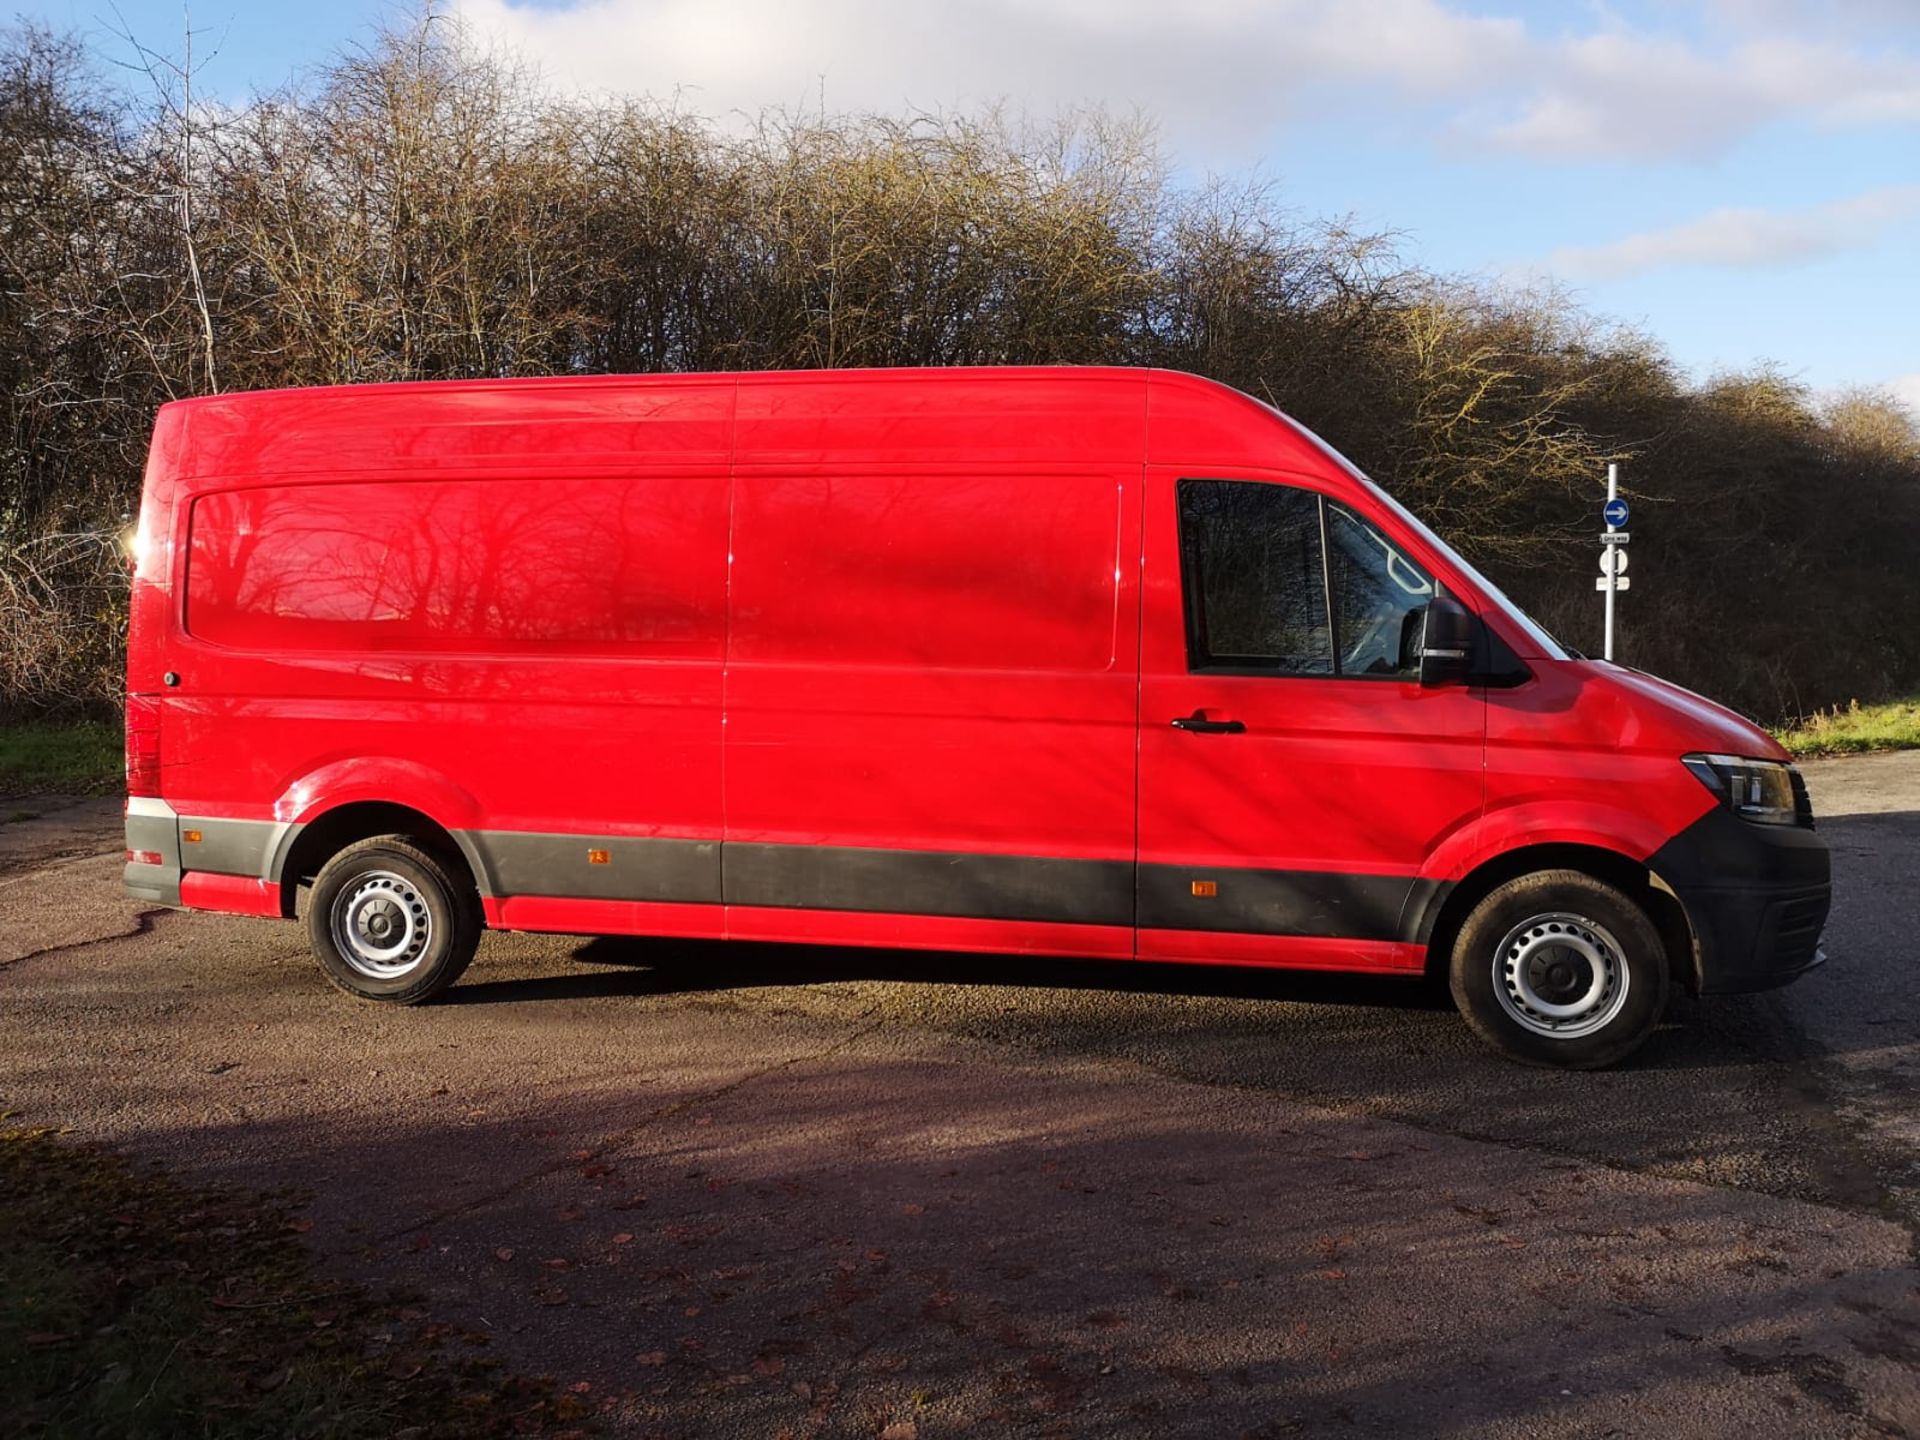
(1094, 662)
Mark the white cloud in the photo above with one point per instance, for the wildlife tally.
(1906, 389)
(1622, 94)
(1746, 238)
(1220, 74)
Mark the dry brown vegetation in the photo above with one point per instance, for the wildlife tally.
(417, 212)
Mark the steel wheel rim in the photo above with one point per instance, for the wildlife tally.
(382, 925)
(1561, 975)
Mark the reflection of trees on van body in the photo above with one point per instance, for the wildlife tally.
(974, 580)
(457, 565)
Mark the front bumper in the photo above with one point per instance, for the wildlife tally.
(1756, 896)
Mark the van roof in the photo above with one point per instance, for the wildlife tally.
(579, 424)
(922, 374)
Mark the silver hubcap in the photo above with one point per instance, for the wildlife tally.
(381, 925)
(1560, 975)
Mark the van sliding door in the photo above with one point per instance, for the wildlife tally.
(931, 705)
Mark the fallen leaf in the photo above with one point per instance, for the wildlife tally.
(555, 1264)
(913, 1209)
(275, 1380)
(900, 1430)
(581, 1387)
(300, 1225)
(505, 1252)
(770, 1364)
(625, 1237)
(652, 1357)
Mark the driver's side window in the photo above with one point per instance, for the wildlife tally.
(1282, 581)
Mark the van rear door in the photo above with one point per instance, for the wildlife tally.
(1294, 774)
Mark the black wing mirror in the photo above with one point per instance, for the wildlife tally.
(1446, 647)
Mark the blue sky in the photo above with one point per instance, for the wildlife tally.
(1740, 178)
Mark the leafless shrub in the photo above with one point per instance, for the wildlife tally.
(421, 211)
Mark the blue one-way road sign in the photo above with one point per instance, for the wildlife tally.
(1614, 512)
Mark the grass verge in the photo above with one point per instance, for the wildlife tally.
(81, 758)
(134, 1306)
(1892, 725)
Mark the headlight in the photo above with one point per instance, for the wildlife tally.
(1762, 791)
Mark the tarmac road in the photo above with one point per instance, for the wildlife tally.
(747, 1190)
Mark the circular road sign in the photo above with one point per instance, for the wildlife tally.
(1613, 561)
(1614, 512)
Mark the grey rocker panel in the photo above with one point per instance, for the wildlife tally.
(828, 877)
(915, 882)
(239, 847)
(1318, 903)
(514, 862)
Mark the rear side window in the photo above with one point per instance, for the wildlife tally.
(989, 572)
(623, 566)
(1280, 580)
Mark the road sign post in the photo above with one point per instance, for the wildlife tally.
(1613, 555)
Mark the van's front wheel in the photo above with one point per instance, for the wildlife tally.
(1559, 968)
(388, 922)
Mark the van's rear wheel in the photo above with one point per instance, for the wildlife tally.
(389, 922)
(1559, 968)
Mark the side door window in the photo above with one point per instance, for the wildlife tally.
(1281, 581)
(1254, 578)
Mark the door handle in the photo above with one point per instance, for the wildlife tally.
(1198, 724)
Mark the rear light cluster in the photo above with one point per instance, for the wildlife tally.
(143, 746)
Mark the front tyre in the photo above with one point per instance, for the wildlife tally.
(389, 922)
(1558, 968)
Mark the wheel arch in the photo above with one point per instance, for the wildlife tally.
(308, 847)
(1440, 924)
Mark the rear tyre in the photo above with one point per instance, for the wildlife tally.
(389, 922)
(1557, 968)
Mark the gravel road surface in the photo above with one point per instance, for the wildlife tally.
(747, 1191)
